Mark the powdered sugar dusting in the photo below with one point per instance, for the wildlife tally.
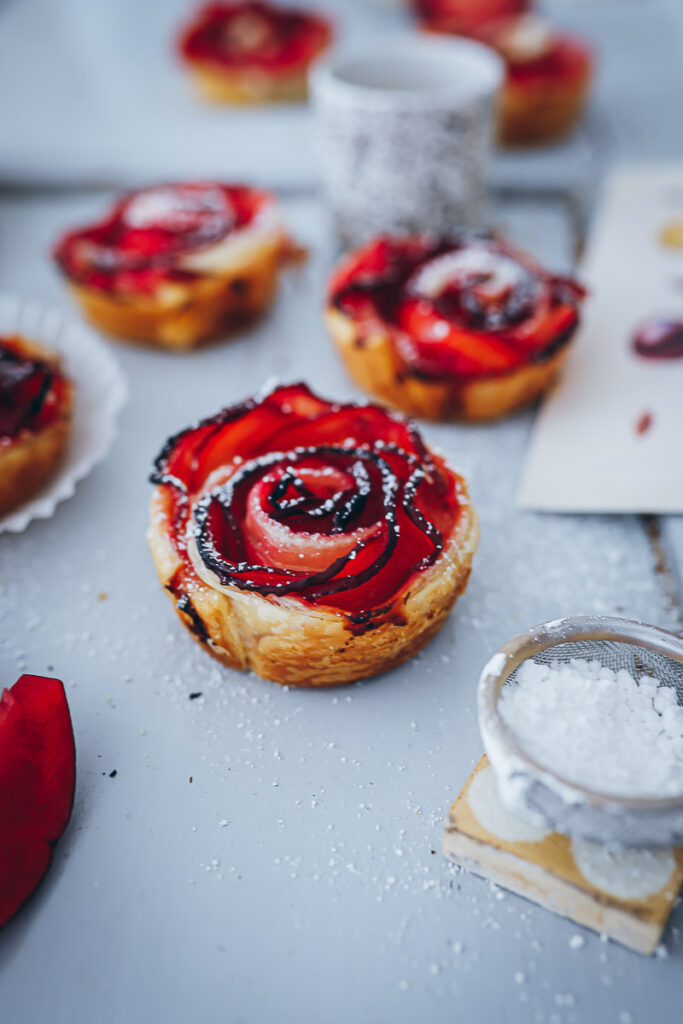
(598, 728)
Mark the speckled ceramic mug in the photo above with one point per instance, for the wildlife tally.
(405, 129)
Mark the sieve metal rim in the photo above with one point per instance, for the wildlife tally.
(499, 741)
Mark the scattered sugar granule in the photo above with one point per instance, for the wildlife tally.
(596, 727)
(577, 942)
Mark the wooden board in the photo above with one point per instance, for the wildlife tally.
(627, 896)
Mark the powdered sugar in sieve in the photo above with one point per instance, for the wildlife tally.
(582, 720)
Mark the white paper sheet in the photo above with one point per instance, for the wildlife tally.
(586, 453)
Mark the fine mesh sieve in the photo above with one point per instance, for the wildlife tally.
(617, 654)
(539, 794)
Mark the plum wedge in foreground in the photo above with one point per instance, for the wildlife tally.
(37, 779)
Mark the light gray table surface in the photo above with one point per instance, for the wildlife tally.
(298, 876)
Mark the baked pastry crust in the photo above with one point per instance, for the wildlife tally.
(231, 287)
(454, 369)
(30, 458)
(297, 645)
(375, 365)
(541, 113)
(285, 638)
(247, 88)
(182, 315)
(237, 72)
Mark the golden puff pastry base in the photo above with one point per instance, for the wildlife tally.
(294, 644)
(30, 459)
(181, 315)
(247, 88)
(545, 113)
(376, 366)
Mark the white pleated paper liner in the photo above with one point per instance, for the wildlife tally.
(100, 391)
